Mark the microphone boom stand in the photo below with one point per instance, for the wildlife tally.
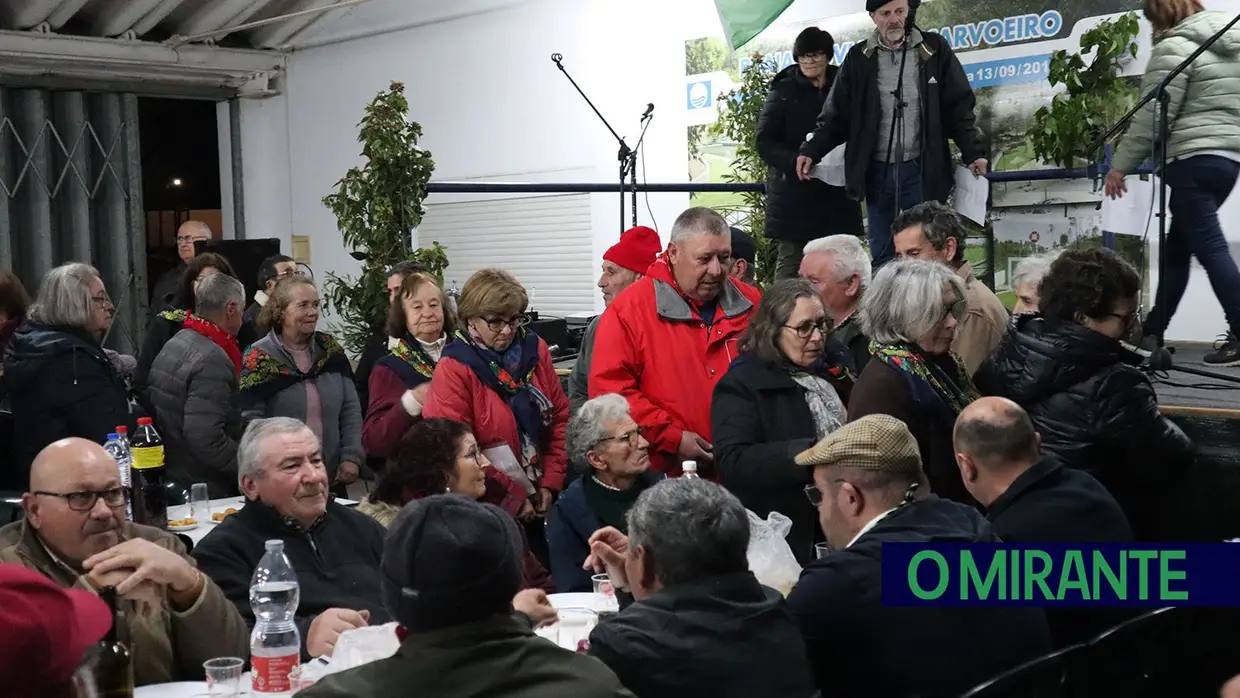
(1160, 358)
(897, 121)
(626, 155)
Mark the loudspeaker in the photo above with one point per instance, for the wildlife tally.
(245, 256)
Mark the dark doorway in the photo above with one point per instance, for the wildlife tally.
(180, 177)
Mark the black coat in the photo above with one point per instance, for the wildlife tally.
(1094, 409)
(760, 422)
(1050, 503)
(797, 210)
(860, 647)
(60, 384)
(337, 561)
(723, 637)
(851, 115)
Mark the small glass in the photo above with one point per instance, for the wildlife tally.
(605, 601)
(574, 626)
(821, 550)
(224, 676)
(199, 502)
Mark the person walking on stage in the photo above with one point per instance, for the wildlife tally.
(1203, 160)
(932, 102)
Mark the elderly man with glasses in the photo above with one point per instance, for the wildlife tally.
(605, 447)
(188, 235)
(75, 533)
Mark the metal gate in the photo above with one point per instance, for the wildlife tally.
(71, 191)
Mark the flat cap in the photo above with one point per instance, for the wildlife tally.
(875, 442)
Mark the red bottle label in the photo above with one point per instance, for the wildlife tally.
(270, 674)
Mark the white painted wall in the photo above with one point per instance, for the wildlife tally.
(492, 105)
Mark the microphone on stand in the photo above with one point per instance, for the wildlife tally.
(649, 111)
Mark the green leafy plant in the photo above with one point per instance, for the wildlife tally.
(1096, 94)
(738, 122)
(377, 206)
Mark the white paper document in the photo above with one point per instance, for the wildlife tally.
(503, 459)
(1131, 214)
(971, 195)
(830, 169)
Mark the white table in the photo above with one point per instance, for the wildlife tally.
(207, 524)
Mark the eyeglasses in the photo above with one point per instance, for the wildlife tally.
(102, 299)
(497, 325)
(812, 58)
(114, 498)
(632, 437)
(956, 310)
(805, 330)
(476, 456)
(187, 240)
(814, 495)
(1129, 319)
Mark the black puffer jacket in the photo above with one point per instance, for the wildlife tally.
(796, 210)
(1094, 409)
(61, 384)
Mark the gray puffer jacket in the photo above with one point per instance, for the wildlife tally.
(1204, 108)
(192, 386)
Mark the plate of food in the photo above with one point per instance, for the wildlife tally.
(221, 515)
(182, 525)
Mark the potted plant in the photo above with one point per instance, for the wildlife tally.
(1095, 95)
(377, 206)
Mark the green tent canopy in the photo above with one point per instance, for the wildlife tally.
(744, 19)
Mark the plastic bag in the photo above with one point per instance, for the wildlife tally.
(354, 648)
(770, 557)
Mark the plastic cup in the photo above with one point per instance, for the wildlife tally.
(605, 601)
(821, 550)
(574, 627)
(199, 502)
(224, 676)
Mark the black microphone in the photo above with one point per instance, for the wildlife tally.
(649, 111)
(556, 58)
(912, 16)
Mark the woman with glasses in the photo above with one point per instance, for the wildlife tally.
(799, 211)
(1093, 407)
(787, 391)
(911, 312)
(61, 383)
(297, 371)
(180, 304)
(441, 456)
(496, 377)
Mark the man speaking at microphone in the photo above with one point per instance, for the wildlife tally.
(893, 149)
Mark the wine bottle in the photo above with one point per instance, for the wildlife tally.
(114, 670)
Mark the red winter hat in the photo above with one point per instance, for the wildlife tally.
(636, 250)
(45, 627)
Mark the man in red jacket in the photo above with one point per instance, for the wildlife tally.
(666, 341)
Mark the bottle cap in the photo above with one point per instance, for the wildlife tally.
(122, 429)
(274, 544)
(143, 421)
(112, 437)
(689, 465)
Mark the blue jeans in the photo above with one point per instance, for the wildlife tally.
(1199, 185)
(880, 203)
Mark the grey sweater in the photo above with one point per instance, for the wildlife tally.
(342, 412)
(888, 77)
(579, 377)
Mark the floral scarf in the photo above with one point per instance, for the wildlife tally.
(930, 385)
(409, 361)
(511, 375)
(176, 315)
(263, 375)
(222, 339)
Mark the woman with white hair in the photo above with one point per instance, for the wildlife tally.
(1025, 279)
(60, 381)
(911, 312)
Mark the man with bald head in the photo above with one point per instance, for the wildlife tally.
(1031, 498)
(190, 232)
(75, 533)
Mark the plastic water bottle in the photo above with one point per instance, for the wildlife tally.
(124, 461)
(275, 644)
(688, 470)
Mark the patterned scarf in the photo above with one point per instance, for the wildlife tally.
(222, 339)
(930, 385)
(823, 383)
(176, 315)
(511, 374)
(409, 361)
(263, 375)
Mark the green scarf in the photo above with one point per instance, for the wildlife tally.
(929, 383)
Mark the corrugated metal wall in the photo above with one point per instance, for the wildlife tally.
(71, 190)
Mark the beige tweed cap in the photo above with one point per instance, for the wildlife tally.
(876, 442)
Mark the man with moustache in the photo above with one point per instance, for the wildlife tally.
(667, 341)
(335, 550)
(915, 160)
(75, 534)
(624, 264)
